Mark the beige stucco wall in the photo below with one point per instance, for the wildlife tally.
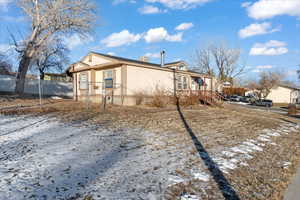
(280, 95)
(146, 80)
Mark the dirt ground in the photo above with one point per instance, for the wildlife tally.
(226, 153)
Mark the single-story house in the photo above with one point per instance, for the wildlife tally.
(283, 94)
(97, 76)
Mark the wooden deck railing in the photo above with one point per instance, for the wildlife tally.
(205, 96)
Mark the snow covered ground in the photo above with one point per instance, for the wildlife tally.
(42, 158)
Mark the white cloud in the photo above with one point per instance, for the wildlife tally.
(184, 26)
(153, 55)
(264, 67)
(266, 9)
(246, 4)
(122, 38)
(147, 10)
(180, 4)
(257, 29)
(111, 53)
(271, 48)
(161, 34)
(261, 68)
(75, 40)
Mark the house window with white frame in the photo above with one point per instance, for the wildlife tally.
(182, 83)
(179, 82)
(108, 79)
(83, 81)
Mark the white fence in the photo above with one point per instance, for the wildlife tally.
(49, 88)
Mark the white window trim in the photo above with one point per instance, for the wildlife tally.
(83, 85)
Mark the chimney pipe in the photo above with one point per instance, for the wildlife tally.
(162, 58)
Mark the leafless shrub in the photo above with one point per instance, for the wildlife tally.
(188, 99)
(140, 97)
(160, 97)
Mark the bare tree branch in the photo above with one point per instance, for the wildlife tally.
(221, 60)
(50, 19)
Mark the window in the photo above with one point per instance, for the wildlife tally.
(181, 67)
(90, 58)
(83, 81)
(184, 81)
(108, 79)
(179, 82)
(108, 74)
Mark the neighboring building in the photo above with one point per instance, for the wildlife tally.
(284, 94)
(120, 79)
(57, 77)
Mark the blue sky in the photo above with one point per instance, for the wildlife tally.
(267, 31)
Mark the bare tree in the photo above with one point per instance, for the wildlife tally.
(50, 18)
(52, 56)
(202, 59)
(221, 60)
(268, 80)
(5, 66)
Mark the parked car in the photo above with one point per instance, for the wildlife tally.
(235, 98)
(264, 102)
(246, 99)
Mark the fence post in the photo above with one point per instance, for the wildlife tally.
(40, 92)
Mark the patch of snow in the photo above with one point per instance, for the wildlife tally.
(228, 153)
(201, 176)
(56, 97)
(254, 147)
(274, 134)
(238, 150)
(225, 164)
(189, 197)
(244, 164)
(286, 164)
(175, 180)
(264, 138)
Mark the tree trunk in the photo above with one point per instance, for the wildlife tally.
(21, 75)
(42, 74)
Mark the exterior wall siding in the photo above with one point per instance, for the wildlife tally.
(280, 95)
(146, 80)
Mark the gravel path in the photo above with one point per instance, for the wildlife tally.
(44, 159)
